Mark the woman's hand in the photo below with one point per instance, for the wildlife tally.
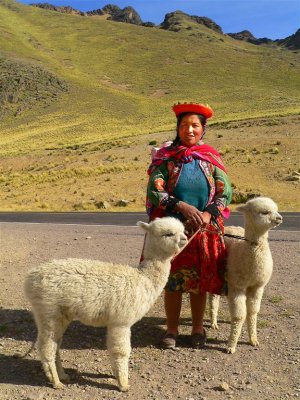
(197, 218)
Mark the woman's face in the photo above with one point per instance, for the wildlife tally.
(190, 130)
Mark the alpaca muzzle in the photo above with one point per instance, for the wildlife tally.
(183, 241)
(277, 219)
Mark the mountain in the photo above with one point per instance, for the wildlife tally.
(119, 70)
(62, 9)
(176, 21)
(248, 37)
(291, 42)
(113, 12)
(127, 14)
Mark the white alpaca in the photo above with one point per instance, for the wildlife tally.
(249, 268)
(101, 294)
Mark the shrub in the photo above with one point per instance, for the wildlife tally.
(276, 299)
(239, 196)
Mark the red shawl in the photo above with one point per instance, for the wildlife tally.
(186, 154)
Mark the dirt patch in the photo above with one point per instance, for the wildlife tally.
(268, 372)
(160, 93)
(120, 86)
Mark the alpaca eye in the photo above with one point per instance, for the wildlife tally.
(264, 212)
(168, 234)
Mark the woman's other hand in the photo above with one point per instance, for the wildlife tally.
(191, 213)
(206, 217)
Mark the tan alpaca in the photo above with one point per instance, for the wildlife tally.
(249, 268)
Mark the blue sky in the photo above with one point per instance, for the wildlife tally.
(275, 19)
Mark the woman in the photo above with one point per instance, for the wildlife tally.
(187, 180)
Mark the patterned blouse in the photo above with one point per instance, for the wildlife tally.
(162, 183)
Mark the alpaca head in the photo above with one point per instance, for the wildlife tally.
(261, 213)
(164, 237)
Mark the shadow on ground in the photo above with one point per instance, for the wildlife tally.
(19, 325)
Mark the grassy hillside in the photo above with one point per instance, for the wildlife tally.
(120, 81)
(23, 85)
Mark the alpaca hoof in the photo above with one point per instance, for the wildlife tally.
(230, 350)
(58, 385)
(214, 325)
(254, 342)
(124, 388)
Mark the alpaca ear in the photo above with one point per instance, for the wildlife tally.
(242, 208)
(143, 225)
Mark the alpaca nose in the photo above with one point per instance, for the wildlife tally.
(183, 239)
(279, 219)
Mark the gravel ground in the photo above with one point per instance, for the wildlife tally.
(268, 372)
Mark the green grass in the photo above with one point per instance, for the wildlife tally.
(276, 299)
(261, 324)
(123, 79)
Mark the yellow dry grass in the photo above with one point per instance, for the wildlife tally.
(259, 155)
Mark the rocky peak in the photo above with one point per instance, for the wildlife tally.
(248, 37)
(177, 20)
(62, 9)
(98, 11)
(291, 42)
(111, 9)
(173, 21)
(209, 23)
(243, 35)
(128, 15)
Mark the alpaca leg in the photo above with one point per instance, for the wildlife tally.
(63, 376)
(214, 300)
(60, 370)
(254, 296)
(237, 308)
(118, 344)
(47, 344)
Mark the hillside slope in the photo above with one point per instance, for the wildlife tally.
(122, 83)
(116, 82)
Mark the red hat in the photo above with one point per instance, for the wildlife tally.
(195, 108)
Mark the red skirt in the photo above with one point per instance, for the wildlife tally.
(200, 267)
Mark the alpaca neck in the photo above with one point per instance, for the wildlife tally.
(254, 234)
(157, 270)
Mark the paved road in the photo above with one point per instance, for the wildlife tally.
(291, 220)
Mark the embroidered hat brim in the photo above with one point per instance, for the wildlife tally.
(196, 108)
